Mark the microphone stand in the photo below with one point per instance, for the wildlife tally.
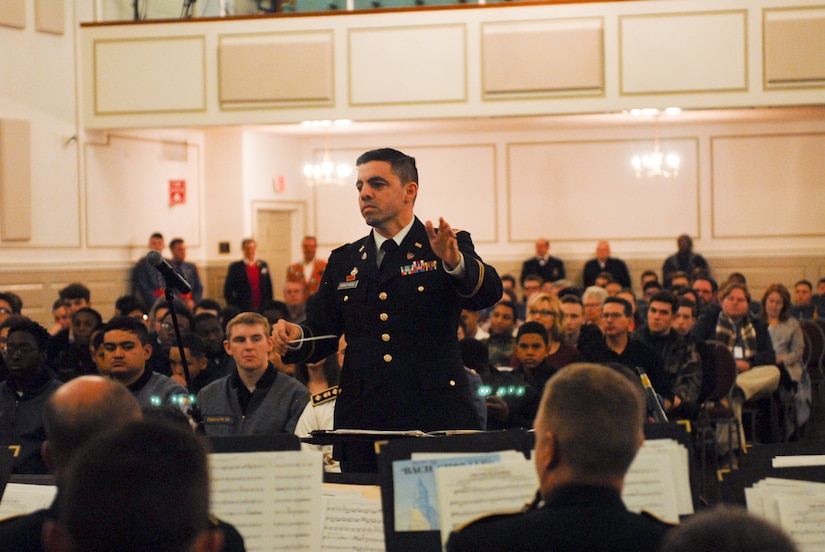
(652, 397)
(194, 407)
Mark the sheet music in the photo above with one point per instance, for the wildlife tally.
(799, 460)
(414, 488)
(21, 499)
(272, 498)
(352, 524)
(680, 464)
(468, 492)
(649, 485)
(803, 517)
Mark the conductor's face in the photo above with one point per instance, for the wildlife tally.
(385, 203)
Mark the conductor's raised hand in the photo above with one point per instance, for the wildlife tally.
(283, 333)
(444, 243)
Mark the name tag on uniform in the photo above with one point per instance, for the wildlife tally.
(223, 420)
(348, 285)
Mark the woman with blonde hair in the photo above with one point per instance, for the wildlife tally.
(546, 310)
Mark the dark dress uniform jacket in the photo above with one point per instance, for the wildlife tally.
(403, 367)
(573, 519)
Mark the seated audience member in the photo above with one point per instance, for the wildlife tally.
(593, 298)
(319, 376)
(166, 338)
(126, 350)
(319, 412)
(684, 260)
(531, 355)
(255, 399)
(706, 289)
(628, 295)
(22, 396)
(681, 364)
(511, 397)
(754, 307)
(789, 345)
(573, 319)
(679, 280)
(549, 268)
(501, 341)
(74, 296)
(819, 298)
(470, 319)
(475, 358)
(747, 338)
(207, 306)
(62, 318)
(612, 288)
(727, 529)
(619, 346)
(7, 323)
(603, 262)
(10, 304)
(143, 487)
(803, 307)
(129, 305)
(546, 310)
(201, 372)
(532, 285)
(685, 317)
(588, 430)
(76, 412)
(295, 298)
(77, 360)
(208, 327)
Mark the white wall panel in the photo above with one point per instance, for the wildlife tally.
(127, 190)
(407, 64)
(699, 52)
(769, 186)
(456, 182)
(587, 190)
(150, 75)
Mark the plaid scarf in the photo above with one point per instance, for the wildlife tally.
(726, 333)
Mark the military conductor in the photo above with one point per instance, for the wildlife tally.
(397, 294)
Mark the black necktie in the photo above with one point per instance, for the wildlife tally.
(387, 247)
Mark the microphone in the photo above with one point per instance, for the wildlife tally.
(652, 398)
(173, 277)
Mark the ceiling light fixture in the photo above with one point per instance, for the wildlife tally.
(656, 164)
(326, 172)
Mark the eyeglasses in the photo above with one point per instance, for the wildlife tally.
(613, 315)
(536, 312)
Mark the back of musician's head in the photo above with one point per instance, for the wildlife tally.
(82, 409)
(144, 487)
(597, 417)
(727, 529)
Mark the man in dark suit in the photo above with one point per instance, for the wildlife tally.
(588, 430)
(605, 263)
(248, 285)
(548, 267)
(403, 367)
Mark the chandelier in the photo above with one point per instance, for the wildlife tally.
(326, 172)
(656, 164)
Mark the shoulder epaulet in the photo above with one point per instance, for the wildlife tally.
(326, 395)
